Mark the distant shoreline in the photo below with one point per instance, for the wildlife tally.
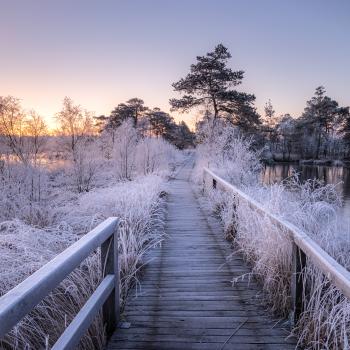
(321, 162)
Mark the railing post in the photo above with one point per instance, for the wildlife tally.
(204, 182)
(110, 266)
(297, 284)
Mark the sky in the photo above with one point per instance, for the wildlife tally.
(101, 53)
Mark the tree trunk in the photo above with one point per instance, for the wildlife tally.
(318, 145)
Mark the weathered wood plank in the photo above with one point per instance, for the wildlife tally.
(197, 346)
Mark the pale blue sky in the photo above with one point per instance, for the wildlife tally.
(101, 53)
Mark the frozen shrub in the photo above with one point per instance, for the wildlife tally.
(230, 155)
(125, 141)
(23, 192)
(85, 166)
(155, 155)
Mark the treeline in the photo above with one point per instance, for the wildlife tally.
(210, 88)
(149, 122)
(26, 136)
(321, 132)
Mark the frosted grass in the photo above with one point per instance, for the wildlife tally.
(311, 206)
(43, 211)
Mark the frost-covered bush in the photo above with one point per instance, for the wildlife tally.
(134, 155)
(311, 206)
(155, 155)
(125, 141)
(23, 191)
(85, 166)
(230, 155)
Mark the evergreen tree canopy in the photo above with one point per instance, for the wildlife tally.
(185, 137)
(211, 83)
(322, 116)
(162, 124)
(269, 111)
(148, 122)
(133, 108)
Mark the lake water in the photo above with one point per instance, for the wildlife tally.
(329, 174)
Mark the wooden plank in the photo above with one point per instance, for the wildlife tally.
(204, 338)
(197, 346)
(202, 323)
(242, 312)
(246, 331)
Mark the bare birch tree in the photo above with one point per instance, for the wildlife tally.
(75, 124)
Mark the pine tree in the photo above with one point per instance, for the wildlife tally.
(211, 83)
(162, 124)
(322, 117)
(184, 136)
(133, 108)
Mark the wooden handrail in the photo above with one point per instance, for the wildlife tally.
(304, 244)
(21, 300)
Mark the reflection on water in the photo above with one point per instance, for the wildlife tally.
(328, 174)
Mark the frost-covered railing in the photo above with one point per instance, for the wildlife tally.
(19, 301)
(303, 247)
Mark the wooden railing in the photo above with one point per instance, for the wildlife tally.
(303, 246)
(19, 301)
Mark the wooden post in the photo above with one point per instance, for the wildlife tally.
(297, 284)
(214, 184)
(110, 266)
(204, 182)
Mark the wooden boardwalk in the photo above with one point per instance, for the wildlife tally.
(187, 300)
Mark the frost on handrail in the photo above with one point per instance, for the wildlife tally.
(335, 272)
(21, 300)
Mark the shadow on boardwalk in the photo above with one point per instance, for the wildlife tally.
(187, 300)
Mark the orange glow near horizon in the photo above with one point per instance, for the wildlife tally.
(102, 54)
(49, 109)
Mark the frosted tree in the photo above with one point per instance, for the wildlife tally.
(270, 113)
(37, 130)
(124, 149)
(12, 127)
(75, 124)
(270, 122)
(85, 167)
(23, 134)
(322, 117)
(286, 134)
